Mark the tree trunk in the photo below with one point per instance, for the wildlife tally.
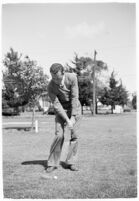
(112, 108)
(33, 118)
(91, 107)
(96, 108)
(82, 110)
(23, 108)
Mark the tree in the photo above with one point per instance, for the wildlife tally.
(84, 70)
(13, 64)
(23, 80)
(85, 65)
(122, 95)
(134, 101)
(35, 81)
(85, 91)
(115, 94)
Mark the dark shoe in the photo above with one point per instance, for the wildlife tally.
(51, 169)
(73, 168)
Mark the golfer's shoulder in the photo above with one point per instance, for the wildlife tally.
(70, 77)
(51, 85)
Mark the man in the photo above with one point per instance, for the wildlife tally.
(63, 92)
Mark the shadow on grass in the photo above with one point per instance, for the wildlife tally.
(64, 165)
(44, 163)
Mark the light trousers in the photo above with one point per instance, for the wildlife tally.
(65, 144)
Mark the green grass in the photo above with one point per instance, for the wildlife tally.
(107, 160)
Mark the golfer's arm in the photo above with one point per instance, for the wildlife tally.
(74, 96)
(57, 105)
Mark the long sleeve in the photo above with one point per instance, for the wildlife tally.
(74, 95)
(57, 105)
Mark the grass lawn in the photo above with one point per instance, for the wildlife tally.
(107, 160)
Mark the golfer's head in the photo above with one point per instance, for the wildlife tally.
(57, 72)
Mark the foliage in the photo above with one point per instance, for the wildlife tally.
(23, 79)
(84, 70)
(134, 101)
(116, 94)
(85, 90)
(86, 65)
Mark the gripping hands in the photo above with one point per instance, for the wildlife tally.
(71, 122)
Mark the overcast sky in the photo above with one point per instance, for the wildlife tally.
(51, 33)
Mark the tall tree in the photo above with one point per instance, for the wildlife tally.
(85, 91)
(115, 94)
(86, 64)
(134, 101)
(13, 64)
(84, 70)
(23, 79)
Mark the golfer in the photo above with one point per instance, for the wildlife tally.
(63, 92)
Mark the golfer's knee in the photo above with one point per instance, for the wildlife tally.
(59, 134)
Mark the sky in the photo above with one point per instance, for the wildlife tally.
(53, 32)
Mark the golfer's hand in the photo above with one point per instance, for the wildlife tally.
(72, 119)
(70, 124)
